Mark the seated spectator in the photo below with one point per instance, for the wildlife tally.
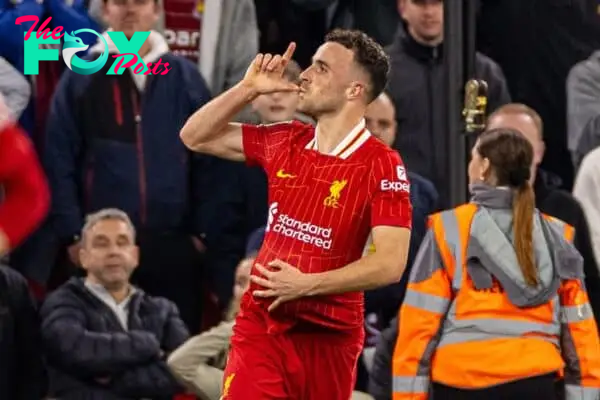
(113, 141)
(199, 362)
(583, 116)
(22, 375)
(104, 338)
(587, 191)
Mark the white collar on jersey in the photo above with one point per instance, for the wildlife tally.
(352, 142)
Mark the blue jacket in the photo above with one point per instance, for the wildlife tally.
(110, 145)
(90, 355)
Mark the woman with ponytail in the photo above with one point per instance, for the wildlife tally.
(496, 307)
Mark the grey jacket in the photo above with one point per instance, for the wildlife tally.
(583, 114)
(234, 47)
(14, 88)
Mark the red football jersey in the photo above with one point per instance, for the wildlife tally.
(321, 210)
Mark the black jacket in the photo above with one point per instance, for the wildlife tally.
(22, 374)
(91, 356)
(551, 200)
(416, 87)
(537, 42)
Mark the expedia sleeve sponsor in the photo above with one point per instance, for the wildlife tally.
(400, 184)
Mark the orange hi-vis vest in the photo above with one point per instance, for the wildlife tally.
(453, 334)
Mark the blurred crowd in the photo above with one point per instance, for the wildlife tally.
(106, 172)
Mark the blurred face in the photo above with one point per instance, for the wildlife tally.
(478, 166)
(381, 119)
(330, 81)
(523, 123)
(109, 254)
(131, 16)
(242, 278)
(425, 19)
(276, 107)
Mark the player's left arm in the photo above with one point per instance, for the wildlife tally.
(391, 218)
(383, 267)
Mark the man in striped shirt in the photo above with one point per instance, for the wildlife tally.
(300, 328)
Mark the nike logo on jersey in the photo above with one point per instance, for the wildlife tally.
(283, 175)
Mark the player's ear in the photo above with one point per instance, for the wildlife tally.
(356, 90)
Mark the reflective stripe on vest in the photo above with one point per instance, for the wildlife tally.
(410, 384)
(453, 224)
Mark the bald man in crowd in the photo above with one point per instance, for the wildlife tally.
(549, 197)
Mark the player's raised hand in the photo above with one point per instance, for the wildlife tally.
(265, 74)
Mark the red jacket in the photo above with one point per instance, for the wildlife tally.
(26, 197)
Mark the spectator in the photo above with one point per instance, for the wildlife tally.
(583, 116)
(113, 141)
(537, 43)
(104, 338)
(26, 196)
(220, 35)
(199, 363)
(416, 88)
(229, 42)
(587, 191)
(22, 374)
(549, 198)
(71, 15)
(14, 87)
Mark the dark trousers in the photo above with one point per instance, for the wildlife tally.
(171, 267)
(537, 388)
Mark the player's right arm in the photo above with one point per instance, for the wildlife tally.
(209, 129)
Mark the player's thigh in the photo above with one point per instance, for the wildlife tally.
(253, 371)
(330, 368)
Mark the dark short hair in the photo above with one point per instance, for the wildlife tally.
(368, 54)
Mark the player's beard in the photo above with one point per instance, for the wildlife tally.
(314, 108)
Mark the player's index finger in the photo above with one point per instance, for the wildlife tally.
(289, 52)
